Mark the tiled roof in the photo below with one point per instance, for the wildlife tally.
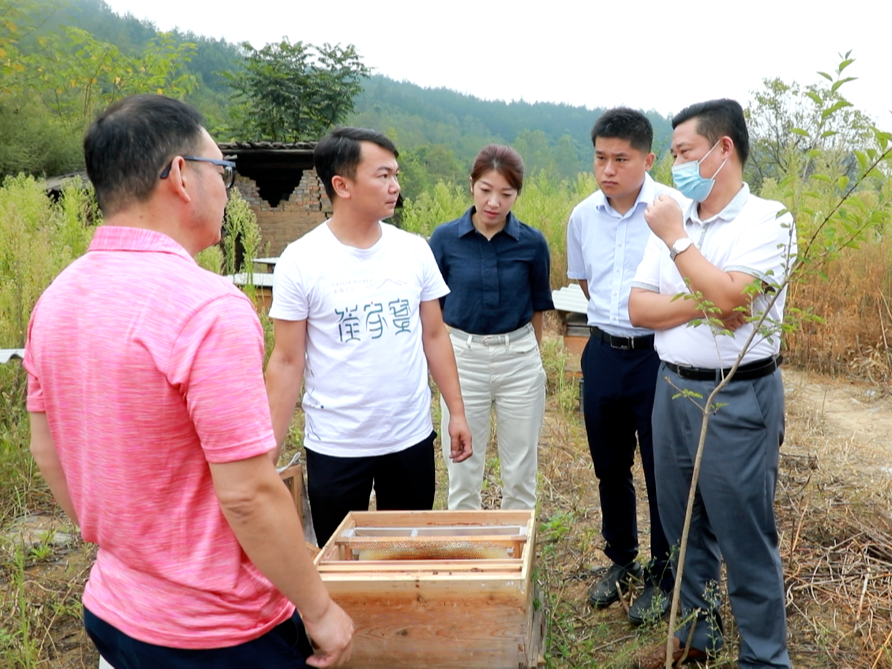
(56, 183)
(267, 146)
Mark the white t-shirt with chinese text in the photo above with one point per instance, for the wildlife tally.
(366, 377)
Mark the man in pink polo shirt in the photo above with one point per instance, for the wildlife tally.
(150, 422)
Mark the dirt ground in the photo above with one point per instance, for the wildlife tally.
(857, 419)
(835, 502)
(839, 433)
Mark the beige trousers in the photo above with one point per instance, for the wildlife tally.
(506, 377)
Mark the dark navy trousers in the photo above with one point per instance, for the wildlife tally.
(618, 398)
(286, 646)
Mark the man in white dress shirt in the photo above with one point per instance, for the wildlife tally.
(606, 238)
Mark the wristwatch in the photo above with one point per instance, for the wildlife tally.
(681, 245)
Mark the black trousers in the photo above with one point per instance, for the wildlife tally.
(618, 403)
(403, 481)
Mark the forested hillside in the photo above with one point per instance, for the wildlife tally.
(548, 136)
(438, 130)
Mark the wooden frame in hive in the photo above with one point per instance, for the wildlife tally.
(437, 588)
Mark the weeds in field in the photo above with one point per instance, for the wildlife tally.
(20, 647)
(40, 237)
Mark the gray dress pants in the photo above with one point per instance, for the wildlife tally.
(734, 509)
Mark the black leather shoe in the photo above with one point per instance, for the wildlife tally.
(650, 606)
(606, 590)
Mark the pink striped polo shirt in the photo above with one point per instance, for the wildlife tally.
(148, 368)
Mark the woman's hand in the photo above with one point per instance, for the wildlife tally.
(460, 437)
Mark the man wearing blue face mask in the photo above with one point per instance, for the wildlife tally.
(688, 180)
(733, 249)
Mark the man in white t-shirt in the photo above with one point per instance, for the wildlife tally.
(357, 318)
(734, 249)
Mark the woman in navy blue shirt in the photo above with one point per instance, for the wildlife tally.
(497, 270)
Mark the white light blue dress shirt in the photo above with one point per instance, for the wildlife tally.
(605, 249)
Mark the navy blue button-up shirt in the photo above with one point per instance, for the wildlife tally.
(496, 284)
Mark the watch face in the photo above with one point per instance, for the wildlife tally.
(679, 246)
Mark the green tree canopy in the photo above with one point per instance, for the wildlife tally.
(292, 92)
(54, 78)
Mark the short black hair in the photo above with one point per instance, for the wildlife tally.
(717, 119)
(129, 144)
(338, 153)
(625, 123)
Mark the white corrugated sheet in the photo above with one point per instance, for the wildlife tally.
(570, 298)
(7, 354)
(261, 280)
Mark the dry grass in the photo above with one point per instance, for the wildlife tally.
(852, 298)
(42, 576)
(836, 547)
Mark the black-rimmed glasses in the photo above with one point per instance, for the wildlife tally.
(228, 166)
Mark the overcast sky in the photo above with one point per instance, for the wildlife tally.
(651, 54)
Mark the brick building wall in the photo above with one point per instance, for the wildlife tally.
(303, 210)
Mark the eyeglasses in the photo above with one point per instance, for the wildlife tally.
(228, 166)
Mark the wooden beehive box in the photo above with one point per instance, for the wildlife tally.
(437, 588)
(576, 332)
(292, 477)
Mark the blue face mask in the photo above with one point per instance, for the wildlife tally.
(688, 180)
